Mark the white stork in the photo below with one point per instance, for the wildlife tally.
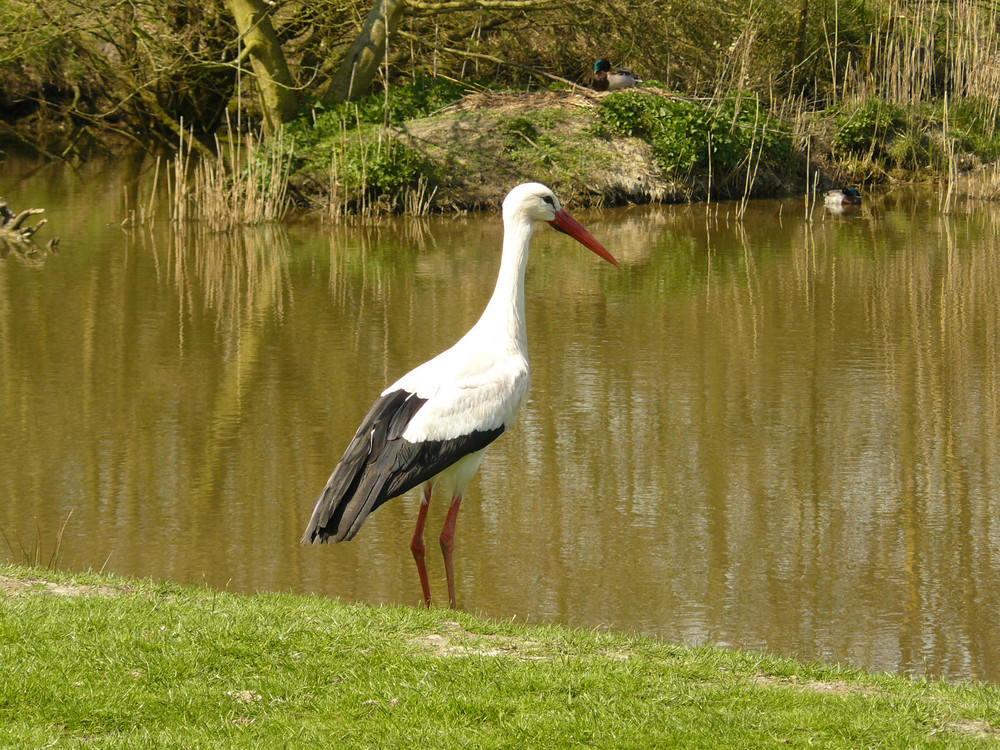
(432, 426)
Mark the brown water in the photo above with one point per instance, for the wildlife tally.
(770, 434)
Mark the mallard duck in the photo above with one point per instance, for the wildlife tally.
(842, 197)
(609, 78)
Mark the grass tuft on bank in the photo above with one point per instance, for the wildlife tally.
(102, 661)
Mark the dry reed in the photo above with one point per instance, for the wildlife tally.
(247, 184)
(907, 64)
(32, 555)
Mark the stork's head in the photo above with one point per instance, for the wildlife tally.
(537, 203)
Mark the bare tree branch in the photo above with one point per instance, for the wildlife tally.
(447, 6)
(496, 60)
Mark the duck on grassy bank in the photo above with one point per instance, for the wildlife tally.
(610, 78)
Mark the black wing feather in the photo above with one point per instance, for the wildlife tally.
(379, 465)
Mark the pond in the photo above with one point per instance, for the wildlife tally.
(771, 433)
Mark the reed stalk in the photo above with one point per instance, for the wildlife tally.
(751, 174)
(949, 148)
(32, 555)
(808, 156)
(152, 192)
(708, 197)
(908, 64)
(418, 200)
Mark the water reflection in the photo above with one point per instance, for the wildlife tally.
(776, 433)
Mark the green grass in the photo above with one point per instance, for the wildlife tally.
(356, 124)
(100, 662)
(552, 143)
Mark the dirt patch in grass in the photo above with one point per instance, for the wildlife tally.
(488, 141)
(457, 641)
(454, 640)
(974, 728)
(836, 687)
(27, 586)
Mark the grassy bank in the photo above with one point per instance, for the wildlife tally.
(97, 661)
(440, 145)
(446, 145)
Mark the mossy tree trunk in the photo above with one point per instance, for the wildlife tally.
(279, 98)
(359, 67)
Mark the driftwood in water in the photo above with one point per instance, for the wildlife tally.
(12, 227)
(15, 235)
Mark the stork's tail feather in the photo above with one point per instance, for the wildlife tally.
(356, 488)
(358, 484)
(320, 529)
(340, 509)
(335, 516)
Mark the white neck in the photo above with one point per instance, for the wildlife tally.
(503, 317)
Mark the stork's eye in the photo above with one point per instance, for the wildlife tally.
(548, 199)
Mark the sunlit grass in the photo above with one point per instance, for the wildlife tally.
(119, 663)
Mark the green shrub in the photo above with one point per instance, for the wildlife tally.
(417, 99)
(630, 112)
(379, 167)
(680, 131)
(914, 149)
(975, 126)
(870, 127)
(422, 97)
(680, 140)
(346, 138)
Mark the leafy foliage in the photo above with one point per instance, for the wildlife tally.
(975, 125)
(380, 168)
(629, 112)
(347, 143)
(912, 149)
(681, 131)
(141, 66)
(415, 99)
(869, 127)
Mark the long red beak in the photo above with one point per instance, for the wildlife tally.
(568, 225)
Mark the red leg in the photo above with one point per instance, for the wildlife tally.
(448, 544)
(417, 544)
